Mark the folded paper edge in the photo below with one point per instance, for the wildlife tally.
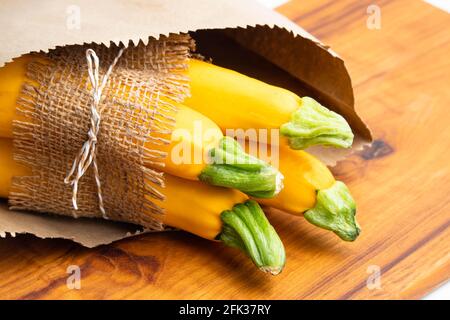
(84, 231)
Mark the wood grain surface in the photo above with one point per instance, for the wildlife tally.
(401, 75)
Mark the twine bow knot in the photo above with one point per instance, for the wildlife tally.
(87, 154)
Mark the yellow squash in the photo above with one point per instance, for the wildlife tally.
(197, 147)
(210, 212)
(304, 174)
(235, 101)
(310, 189)
(11, 78)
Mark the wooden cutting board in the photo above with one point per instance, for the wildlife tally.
(401, 75)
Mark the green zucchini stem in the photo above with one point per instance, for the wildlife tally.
(335, 210)
(232, 167)
(313, 124)
(246, 227)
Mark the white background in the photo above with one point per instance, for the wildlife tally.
(442, 293)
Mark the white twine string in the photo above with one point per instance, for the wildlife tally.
(87, 154)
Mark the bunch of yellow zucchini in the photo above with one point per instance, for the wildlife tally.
(223, 190)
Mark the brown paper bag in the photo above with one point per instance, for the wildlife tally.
(240, 35)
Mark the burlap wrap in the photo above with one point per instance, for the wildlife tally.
(137, 104)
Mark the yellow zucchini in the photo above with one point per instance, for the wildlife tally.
(310, 189)
(235, 101)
